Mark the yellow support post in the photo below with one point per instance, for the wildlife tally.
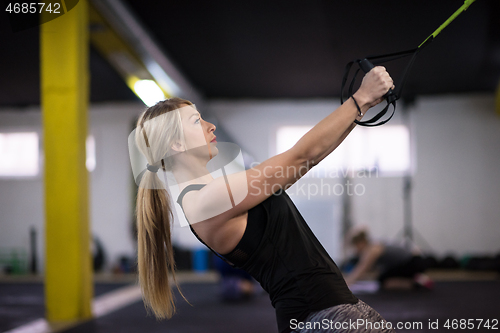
(64, 93)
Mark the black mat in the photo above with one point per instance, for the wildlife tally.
(21, 303)
(207, 314)
(449, 300)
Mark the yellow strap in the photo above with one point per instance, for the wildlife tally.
(464, 7)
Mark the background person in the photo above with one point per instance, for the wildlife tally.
(398, 267)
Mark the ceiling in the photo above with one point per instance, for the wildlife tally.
(286, 49)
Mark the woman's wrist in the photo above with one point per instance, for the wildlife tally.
(361, 101)
(360, 113)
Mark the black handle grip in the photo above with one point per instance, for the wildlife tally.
(390, 96)
(367, 66)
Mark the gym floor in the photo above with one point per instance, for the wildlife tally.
(457, 295)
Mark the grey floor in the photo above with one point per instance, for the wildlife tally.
(208, 314)
(21, 303)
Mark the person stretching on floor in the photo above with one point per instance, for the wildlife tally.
(399, 268)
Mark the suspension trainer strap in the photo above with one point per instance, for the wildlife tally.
(367, 64)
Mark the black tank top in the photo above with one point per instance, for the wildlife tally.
(251, 237)
(289, 262)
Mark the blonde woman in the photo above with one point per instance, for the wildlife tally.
(247, 217)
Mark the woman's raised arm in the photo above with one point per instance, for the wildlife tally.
(253, 186)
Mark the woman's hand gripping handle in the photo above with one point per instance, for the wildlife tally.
(376, 86)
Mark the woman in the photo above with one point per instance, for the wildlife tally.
(399, 267)
(247, 217)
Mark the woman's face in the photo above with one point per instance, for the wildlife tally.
(198, 133)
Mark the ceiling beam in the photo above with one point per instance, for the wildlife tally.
(121, 38)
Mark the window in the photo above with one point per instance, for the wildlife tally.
(20, 154)
(385, 149)
(90, 146)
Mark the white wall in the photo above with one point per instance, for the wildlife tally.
(21, 200)
(456, 147)
(112, 181)
(457, 185)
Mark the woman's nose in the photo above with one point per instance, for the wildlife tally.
(210, 127)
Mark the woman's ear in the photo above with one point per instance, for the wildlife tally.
(178, 147)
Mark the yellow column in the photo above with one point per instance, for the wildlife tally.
(64, 95)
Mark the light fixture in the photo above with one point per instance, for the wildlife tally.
(149, 92)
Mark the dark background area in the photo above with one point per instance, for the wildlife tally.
(285, 49)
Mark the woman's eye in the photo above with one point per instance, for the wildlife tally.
(197, 121)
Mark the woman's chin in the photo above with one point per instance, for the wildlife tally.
(214, 150)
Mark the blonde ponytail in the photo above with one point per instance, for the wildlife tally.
(155, 252)
(153, 210)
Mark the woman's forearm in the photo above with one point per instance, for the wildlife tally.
(336, 144)
(323, 138)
